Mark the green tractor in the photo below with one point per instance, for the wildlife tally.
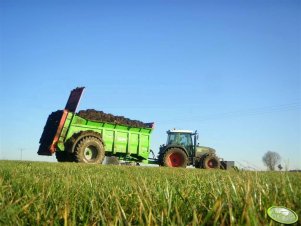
(181, 150)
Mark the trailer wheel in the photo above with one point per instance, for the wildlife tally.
(64, 156)
(61, 156)
(211, 162)
(175, 157)
(89, 149)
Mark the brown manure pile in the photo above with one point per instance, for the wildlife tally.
(91, 114)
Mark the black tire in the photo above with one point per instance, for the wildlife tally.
(60, 156)
(112, 160)
(175, 157)
(211, 162)
(89, 149)
(160, 159)
(64, 156)
(198, 163)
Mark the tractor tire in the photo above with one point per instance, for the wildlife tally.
(89, 149)
(64, 156)
(211, 162)
(175, 157)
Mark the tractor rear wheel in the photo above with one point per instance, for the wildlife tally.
(175, 157)
(89, 149)
(211, 162)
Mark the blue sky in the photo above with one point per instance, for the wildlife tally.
(229, 69)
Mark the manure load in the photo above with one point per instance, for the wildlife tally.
(91, 114)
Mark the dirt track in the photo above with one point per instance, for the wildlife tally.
(94, 115)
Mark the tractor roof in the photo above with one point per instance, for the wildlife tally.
(179, 131)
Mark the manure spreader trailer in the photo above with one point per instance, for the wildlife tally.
(88, 136)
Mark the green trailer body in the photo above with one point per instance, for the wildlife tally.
(63, 127)
(119, 140)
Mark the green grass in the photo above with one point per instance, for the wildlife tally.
(35, 193)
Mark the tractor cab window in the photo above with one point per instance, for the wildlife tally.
(171, 139)
(183, 139)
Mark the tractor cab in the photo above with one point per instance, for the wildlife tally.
(183, 138)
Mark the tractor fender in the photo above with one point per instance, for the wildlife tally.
(202, 152)
(71, 143)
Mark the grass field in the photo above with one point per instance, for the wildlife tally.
(34, 193)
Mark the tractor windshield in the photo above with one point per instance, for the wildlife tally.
(183, 139)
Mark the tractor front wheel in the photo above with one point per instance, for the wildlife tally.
(211, 162)
(175, 157)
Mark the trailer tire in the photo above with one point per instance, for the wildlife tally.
(89, 149)
(64, 156)
(211, 162)
(60, 156)
(175, 157)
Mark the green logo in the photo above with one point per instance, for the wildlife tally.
(282, 215)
